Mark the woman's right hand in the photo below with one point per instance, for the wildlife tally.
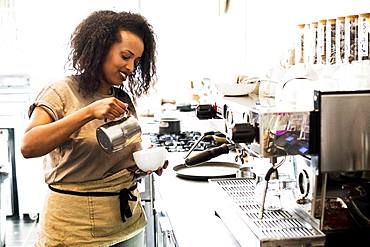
(109, 108)
(43, 134)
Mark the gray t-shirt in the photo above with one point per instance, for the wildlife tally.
(80, 158)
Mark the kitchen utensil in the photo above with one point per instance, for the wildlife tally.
(150, 159)
(169, 125)
(272, 173)
(115, 135)
(186, 107)
(208, 154)
(207, 170)
(217, 136)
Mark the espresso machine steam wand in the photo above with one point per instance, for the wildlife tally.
(270, 173)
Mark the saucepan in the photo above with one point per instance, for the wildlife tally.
(169, 125)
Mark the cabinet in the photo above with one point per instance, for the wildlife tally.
(3, 200)
(25, 175)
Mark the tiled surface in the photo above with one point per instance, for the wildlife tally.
(21, 232)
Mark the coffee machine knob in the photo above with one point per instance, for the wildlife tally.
(303, 186)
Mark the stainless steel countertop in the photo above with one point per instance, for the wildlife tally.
(189, 205)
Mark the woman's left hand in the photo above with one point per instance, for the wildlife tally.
(159, 171)
(139, 173)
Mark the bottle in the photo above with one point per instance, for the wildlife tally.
(350, 38)
(330, 41)
(321, 42)
(339, 39)
(364, 36)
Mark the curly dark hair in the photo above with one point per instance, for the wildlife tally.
(94, 36)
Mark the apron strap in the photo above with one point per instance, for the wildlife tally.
(125, 195)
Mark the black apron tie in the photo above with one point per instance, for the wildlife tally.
(125, 195)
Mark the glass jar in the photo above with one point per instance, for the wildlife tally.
(350, 38)
(313, 49)
(339, 39)
(330, 41)
(321, 41)
(299, 45)
(364, 36)
(307, 44)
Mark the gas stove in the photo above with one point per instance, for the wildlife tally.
(181, 142)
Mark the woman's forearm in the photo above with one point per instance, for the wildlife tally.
(43, 138)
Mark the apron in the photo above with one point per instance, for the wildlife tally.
(97, 218)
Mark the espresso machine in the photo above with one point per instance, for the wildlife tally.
(328, 150)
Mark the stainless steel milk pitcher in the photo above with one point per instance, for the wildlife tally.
(115, 135)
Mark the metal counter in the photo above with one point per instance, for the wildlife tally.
(191, 207)
(191, 214)
(235, 198)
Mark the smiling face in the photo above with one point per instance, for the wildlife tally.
(121, 60)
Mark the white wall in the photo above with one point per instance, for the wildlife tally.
(44, 28)
(193, 42)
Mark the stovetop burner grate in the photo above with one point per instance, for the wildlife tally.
(279, 225)
(181, 142)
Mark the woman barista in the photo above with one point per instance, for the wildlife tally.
(94, 200)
